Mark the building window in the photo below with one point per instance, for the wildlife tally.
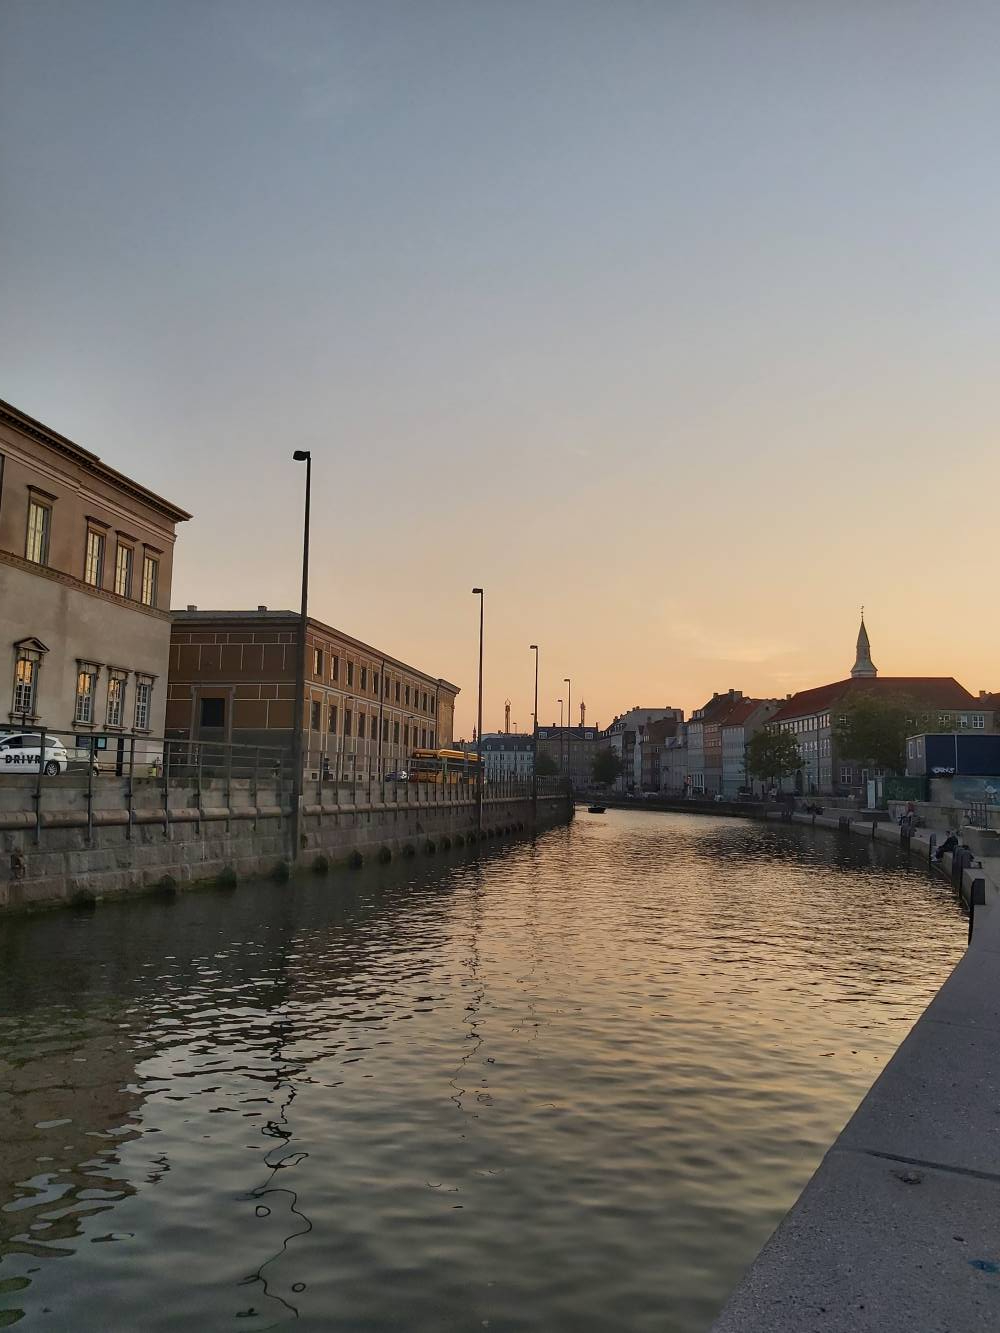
(406, 733)
(335, 669)
(364, 678)
(350, 673)
(397, 691)
(116, 698)
(39, 524)
(150, 577)
(407, 696)
(318, 663)
(978, 721)
(395, 733)
(423, 737)
(433, 705)
(86, 685)
(213, 712)
(314, 716)
(347, 721)
(846, 776)
(332, 721)
(430, 738)
(93, 567)
(376, 680)
(361, 726)
(123, 570)
(385, 728)
(143, 702)
(26, 681)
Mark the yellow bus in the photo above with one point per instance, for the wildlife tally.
(450, 766)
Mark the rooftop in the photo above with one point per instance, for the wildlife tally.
(935, 691)
(37, 430)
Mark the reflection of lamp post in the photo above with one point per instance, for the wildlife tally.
(300, 456)
(478, 592)
(534, 731)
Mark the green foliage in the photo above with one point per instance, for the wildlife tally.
(606, 766)
(772, 754)
(546, 766)
(874, 729)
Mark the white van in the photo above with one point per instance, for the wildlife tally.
(21, 752)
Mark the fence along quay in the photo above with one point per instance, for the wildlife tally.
(79, 822)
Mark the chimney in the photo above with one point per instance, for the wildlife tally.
(191, 606)
(262, 608)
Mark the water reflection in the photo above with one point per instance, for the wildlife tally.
(567, 1085)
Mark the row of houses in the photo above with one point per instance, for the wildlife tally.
(706, 755)
(92, 650)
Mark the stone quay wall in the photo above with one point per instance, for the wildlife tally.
(119, 838)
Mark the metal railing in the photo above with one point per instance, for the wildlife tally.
(129, 777)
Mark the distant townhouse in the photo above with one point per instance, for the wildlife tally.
(811, 716)
(85, 568)
(651, 740)
(507, 755)
(737, 728)
(232, 678)
(704, 743)
(571, 749)
(622, 737)
(674, 765)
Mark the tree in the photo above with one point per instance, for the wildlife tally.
(606, 766)
(874, 728)
(546, 766)
(772, 754)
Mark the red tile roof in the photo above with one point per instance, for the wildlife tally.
(935, 691)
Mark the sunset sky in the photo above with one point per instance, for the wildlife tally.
(675, 326)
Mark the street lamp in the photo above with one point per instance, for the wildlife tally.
(569, 726)
(534, 767)
(478, 592)
(300, 456)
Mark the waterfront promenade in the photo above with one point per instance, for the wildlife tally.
(897, 1230)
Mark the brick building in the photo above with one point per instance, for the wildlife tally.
(232, 678)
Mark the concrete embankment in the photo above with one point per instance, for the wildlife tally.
(122, 838)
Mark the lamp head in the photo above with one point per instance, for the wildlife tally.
(301, 455)
(479, 590)
(532, 645)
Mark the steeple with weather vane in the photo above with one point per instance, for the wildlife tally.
(863, 666)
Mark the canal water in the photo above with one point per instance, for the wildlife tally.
(563, 1085)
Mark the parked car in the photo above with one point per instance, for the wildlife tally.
(21, 752)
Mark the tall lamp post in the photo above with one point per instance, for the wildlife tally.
(562, 738)
(478, 592)
(534, 765)
(300, 456)
(569, 729)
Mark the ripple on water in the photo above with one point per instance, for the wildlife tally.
(567, 1085)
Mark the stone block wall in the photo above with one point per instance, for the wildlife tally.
(87, 842)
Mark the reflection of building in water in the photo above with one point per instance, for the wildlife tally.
(64, 1113)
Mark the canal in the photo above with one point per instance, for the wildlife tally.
(563, 1085)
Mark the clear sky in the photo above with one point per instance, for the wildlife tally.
(676, 326)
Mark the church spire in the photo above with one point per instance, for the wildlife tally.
(863, 664)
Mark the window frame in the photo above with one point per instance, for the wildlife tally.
(117, 676)
(93, 671)
(44, 507)
(126, 549)
(143, 686)
(152, 561)
(28, 657)
(93, 555)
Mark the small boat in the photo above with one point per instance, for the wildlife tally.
(595, 809)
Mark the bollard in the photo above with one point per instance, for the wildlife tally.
(977, 898)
